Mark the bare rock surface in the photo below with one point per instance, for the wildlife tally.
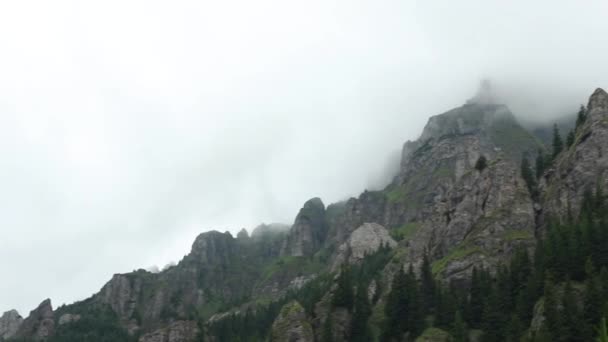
(10, 322)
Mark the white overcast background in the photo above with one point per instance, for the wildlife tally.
(129, 127)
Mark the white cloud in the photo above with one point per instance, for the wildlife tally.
(128, 127)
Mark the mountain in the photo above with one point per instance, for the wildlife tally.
(433, 255)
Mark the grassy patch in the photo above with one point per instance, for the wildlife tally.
(433, 335)
(458, 253)
(405, 231)
(291, 264)
(518, 235)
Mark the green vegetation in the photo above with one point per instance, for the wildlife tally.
(481, 163)
(291, 265)
(457, 253)
(517, 235)
(405, 231)
(433, 335)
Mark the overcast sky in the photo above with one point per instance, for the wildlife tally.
(129, 127)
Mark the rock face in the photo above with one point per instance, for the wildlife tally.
(364, 240)
(40, 324)
(308, 231)
(292, 325)
(9, 324)
(68, 318)
(582, 167)
(441, 204)
(180, 331)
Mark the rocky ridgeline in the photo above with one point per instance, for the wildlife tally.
(582, 167)
(443, 203)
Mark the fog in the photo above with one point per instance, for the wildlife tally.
(129, 127)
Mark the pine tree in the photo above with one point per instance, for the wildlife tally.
(427, 282)
(327, 335)
(581, 116)
(573, 323)
(396, 308)
(493, 319)
(528, 176)
(481, 163)
(343, 297)
(415, 322)
(540, 164)
(558, 144)
(552, 315)
(476, 302)
(514, 330)
(602, 331)
(459, 329)
(359, 327)
(570, 139)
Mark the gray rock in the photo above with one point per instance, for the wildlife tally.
(10, 323)
(584, 166)
(68, 318)
(363, 241)
(40, 323)
(292, 325)
(179, 331)
(308, 231)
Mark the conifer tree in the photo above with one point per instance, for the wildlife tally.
(570, 139)
(476, 302)
(581, 116)
(343, 297)
(558, 144)
(427, 282)
(459, 329)
(327, 335)
(360, 329)
(540, 163)
(528, 176)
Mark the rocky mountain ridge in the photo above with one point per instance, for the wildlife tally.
(444, 203)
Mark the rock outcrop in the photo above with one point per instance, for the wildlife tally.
(291, 325)
(308, 231)
(363, 241)
(582, 167)
(40, 324)
(179, 331)
(9, 324)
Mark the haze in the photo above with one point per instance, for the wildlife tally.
(129, 127)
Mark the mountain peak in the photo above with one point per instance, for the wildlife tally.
(599, 99)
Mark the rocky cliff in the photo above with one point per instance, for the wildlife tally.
(580, 168)
(9, 324)
(458, 198)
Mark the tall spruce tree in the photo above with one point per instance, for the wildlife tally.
(459, 329)
(359, 327)
(581, 116)
(540, 163)
(558, 144)
(343, 297)
(570, 139)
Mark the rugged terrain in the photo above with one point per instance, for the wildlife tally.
(459, 200)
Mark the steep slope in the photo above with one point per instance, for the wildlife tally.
(583, 167)
(442, 204)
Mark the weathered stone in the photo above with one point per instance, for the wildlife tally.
(363, 241)
(291, 325)
(9, 324)
(40, 323)
(582, 167)
(68, 318)
(308, 231)
(179, 331)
